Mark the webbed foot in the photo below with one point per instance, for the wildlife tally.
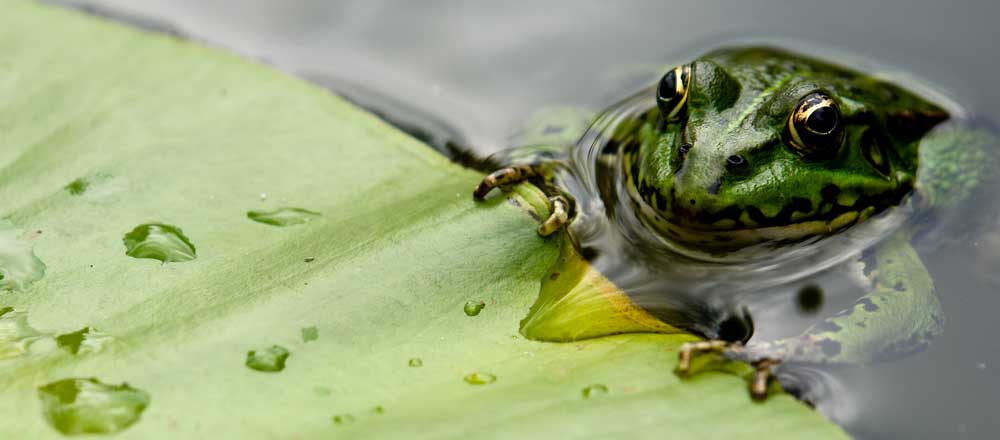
(762, 366)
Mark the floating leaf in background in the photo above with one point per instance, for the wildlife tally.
(194, 136)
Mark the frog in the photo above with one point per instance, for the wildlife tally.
(749, 153)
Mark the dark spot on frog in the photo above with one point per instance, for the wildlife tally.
(552, 129)
(860, 324)
(692, 202)
(683, 149)
(827, 326)
(867, 304)
(830, 193)
(554, 276)
(661, 201)
(830, 348)
(899, 287)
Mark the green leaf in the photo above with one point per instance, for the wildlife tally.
(104, 129)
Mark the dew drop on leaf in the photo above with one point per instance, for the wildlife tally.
(270, 359)
(472, 308)
(310, 333)
(19, 267)
(480, 378)
(343, 419)
(159, 241)
(88, 406)
(283, 216)
(594, 390)
(16, 336)
(85, 340)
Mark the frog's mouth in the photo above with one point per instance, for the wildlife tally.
(735, 227)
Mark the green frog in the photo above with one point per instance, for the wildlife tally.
(755, 154)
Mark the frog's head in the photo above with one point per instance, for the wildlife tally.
(757, 145)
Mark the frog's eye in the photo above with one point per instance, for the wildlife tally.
(814, 128)
(672, 94)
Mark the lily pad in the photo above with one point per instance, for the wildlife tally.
(193, 136)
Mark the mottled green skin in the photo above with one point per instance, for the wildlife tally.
(739, 103)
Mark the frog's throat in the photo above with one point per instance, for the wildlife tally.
(727, 229)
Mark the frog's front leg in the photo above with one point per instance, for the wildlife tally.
(899, 314)
(560, 205)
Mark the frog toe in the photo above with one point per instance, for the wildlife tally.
(763, 366)
(501, 177)
(558, 218)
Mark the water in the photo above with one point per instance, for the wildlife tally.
(271, 359)
(89, 406)
(283, 216)
(158, 241)
(310, 334)
(594, 390)
(474, 74)
(83, 341)
(472, 308)
(19, 266)
(16, 335)
(343, 419)
(479, 378)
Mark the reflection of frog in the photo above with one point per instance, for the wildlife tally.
(755, 148)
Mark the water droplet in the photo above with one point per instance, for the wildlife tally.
(270, 359)
(100, 187)
(85, 340)
(88, 406)
(19, 267)
(159, 242)
(263, 196)
(77, 187)
(310, 333)
(343, 419)
(480, 378)
(16, 336)
(378, 410)
(415, 362)
(594, 390)
(283, 216)
(472, 308)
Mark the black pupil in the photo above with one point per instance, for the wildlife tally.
(822, 120)
(668, 86)
(736, 161)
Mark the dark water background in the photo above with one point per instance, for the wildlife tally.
(475, 70)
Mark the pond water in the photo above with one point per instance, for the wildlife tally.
(473, 73)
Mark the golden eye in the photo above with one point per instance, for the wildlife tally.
(672, 93)
(814, 128)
